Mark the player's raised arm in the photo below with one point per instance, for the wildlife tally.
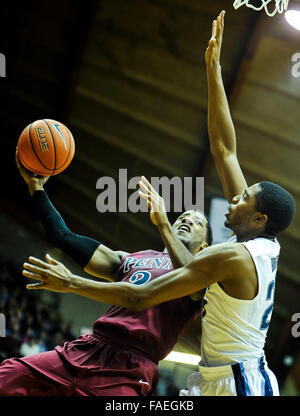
(94, 257)
(220, 126)
(178, 253)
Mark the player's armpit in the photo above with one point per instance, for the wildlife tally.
(105, 263)
(241, 281)
(198, 295)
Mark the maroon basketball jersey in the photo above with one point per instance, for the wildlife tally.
(156, 330)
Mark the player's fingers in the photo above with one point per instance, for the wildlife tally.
(39, 262)
(18, 163)
(144, 183)
(143, 195)
(152, 201)
(222, 28)
(51, 260)
(214, 29)
(36, 270)
(221, 25)
(150, 192)
(222, 19)
(148, 185)
(40, 285)
(34, 276)
(145, 180)
(144, 187)
(218, 27)
(147, 198)
(17, 160)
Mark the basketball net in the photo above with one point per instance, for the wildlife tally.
(280, 6)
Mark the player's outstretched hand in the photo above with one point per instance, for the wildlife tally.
(33, 181)
(155, 202)
(213, 51)
(52, 275)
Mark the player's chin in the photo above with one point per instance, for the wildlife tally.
(184, 239)
(228, 224)
(181, 234)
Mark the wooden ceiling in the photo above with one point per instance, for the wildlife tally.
(129, 80)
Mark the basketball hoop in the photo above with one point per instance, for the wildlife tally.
(280, 6)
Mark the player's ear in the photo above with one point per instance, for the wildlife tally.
(260, 219)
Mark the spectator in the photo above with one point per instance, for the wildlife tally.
(29, 345)
(44, 342)
(30, 326)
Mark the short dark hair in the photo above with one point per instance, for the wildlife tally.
(209, 233)
(278, 204)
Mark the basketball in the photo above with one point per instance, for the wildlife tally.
(46, 147)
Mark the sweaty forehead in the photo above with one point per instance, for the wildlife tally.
(194, 214)
(254, 189)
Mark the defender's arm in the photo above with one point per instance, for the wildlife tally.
(220, 263)
(220, 126)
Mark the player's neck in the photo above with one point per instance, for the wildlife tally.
(251, 236)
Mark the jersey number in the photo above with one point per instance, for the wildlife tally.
(265, 322)
(140, 277)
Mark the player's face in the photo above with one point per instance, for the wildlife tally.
(242, 215)
(190, 228)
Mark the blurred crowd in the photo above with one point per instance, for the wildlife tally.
(31, 326)
(166, 386)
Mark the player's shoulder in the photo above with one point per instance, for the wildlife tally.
(226, 249)
(121, 254)
(231, 255)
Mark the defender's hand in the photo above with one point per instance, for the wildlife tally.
(155, 202)
(33, 181)
(53, 275)
(213, 51)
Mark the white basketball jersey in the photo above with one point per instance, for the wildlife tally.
(234, 330)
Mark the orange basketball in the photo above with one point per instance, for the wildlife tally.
(46, 147)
